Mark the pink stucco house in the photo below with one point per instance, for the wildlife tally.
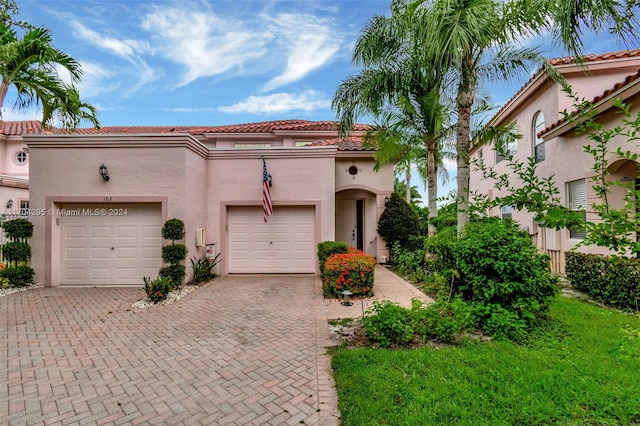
(14, 166)
(536, 108)
(94, 231)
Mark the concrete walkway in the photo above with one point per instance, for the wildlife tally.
(239, 350)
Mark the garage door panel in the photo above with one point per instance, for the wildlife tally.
(74, 232)
(285, 244)
(126, 253)
(111, 250)
(126, 231)
(100, 253)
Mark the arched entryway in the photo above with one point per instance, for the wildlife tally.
(356, 216)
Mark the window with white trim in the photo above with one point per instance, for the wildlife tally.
(24, 207)
(538, 143)
(303, 143)
(21, 157)
(511, 148)
(577, 201)
(506, 212)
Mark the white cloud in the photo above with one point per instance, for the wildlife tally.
(205, 44)
(309, 42)
(125, 48)
(23, 115)
(309, 100)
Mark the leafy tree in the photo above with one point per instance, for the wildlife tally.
(28, 63)
(398, 222)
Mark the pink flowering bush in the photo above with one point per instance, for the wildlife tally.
(352, 271)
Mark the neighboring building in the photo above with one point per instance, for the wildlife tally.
(94, 231)
(14, 166)
(536, 108)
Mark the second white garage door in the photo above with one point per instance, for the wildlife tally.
(285, 244)
(110, 244)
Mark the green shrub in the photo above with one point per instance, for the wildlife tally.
(447, 216)
(18, 276)
(441, 247)
(326, 249)
(18, 229)
(203, 268)
(173, 229)
(158, 289)
(174, 253)
(409, 262)
(398, 222)
(16, 251)
(442, 321)
(351, 271)
(612, 280)
(503, 272)
(4, 282)
(174, 272)
(389, 324)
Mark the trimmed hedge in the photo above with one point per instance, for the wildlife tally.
(326, 249)
(351, 271)
(612, 280)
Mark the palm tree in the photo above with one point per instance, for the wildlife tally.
(472, 39)
(396, 83)
(571, 17)
(401, 188)
(28, 64)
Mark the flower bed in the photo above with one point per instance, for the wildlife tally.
(352, 271)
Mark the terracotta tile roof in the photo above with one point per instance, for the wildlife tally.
(17, 128)
(597, 57)
(629, 79)
(344, 144)
(565, 61)
(260, 127)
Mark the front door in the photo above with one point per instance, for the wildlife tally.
(350, 222)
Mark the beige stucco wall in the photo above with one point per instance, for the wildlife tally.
(192, 183)
(303, 177)
(71, 174)
(565, 158)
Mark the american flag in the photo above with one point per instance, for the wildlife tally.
(267, 207)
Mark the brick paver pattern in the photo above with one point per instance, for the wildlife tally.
(240, 350)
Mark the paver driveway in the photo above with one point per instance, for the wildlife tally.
(240, 350)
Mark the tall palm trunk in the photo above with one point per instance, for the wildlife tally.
(432, 184)
(408, 180)
(466, 95)
(4, 88)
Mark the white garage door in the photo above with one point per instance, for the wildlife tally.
(110, 244)
(285, 244)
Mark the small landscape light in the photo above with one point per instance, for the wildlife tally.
(346, 298)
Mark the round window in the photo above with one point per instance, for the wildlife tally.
(21, 157)
(353, 170)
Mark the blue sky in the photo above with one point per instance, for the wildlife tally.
(215, 62)
(219, 62)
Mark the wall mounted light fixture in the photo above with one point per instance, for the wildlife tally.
(104, 172)
(9, 203)
(386, 200)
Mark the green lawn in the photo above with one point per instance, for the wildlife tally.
(582, 369)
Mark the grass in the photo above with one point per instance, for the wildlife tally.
(582, 368)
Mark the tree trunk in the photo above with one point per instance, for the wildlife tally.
(466, 95)
(432, 184)
(408, 182)
(4, 88)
